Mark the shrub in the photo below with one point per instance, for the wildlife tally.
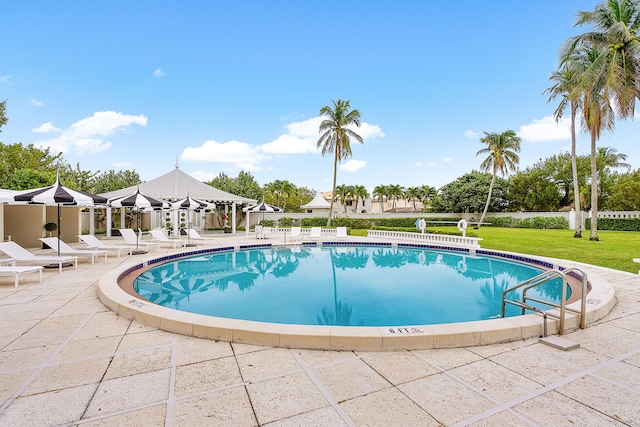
(615, 224)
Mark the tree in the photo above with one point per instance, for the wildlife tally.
(427, 194)
(625, 194)
(342, 194)
(359, 193)
(14, 157)
(610, 84)
(336, 136)
(3, 116)
(395, 192)
(501, 150)
(412, 194)
(467, 194)
(565, 81)
(534, 191)
(112, 181)
(379, 192)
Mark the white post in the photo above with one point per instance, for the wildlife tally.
(233, 218)
(108, 221)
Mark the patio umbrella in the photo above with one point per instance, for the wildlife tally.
(190, 205)
(262, 207)
(59, 195)
(138, 202)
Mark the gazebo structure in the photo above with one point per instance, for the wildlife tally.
(318, 205)
(177, 185)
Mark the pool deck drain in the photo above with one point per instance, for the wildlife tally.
(67, 360)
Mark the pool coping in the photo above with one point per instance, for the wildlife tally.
(600, 301)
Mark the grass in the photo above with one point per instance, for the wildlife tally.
(614, 250)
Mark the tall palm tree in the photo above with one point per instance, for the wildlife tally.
(611, 75)
(565, 81)
(379, 192)
(615, 72)
(336, 136)
(502, 149)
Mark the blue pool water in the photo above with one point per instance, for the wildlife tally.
(340, 285)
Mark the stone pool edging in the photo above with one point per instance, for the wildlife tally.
(600, 301)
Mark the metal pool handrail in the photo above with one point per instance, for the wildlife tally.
(544, 278)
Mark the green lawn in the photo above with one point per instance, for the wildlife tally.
(614, 250)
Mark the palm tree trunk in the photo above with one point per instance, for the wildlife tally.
(594, 190)
(486, 206)
(574, 168)
(333, 191)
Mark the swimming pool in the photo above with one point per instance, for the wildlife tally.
(354, 285)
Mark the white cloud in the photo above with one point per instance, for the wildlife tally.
(35, 103)
(86, 136)
(299, 138)
(302, 137)
(432, 164)
(448, 159)
(5, 79)
(158, 72)
(240, 154)
(470, 134)
(546, 129)
(122, 164)
(419, 164)
(45, 128)
(353, 165)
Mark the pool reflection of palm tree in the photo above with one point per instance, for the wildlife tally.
(492, 291)
(389, 258)
(341, 313)
(287, 263)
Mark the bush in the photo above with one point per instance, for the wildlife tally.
(538, 222)
(615, 224)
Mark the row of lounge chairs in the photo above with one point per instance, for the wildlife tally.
(95, 248)
(315, 233)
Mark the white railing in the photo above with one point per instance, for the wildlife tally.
(440, 239)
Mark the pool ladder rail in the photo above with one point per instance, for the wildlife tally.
(544, 278)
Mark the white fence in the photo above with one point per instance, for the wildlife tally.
(439, 239)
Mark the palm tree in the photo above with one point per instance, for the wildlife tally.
(502, 149)
(564, 82)
(379, 192)
(608, 157)
(615, 70)
(395, 191)
(427, 195)
(342, 194)
(359, 192)
(412, 194)
(336, 136)
(611, 75)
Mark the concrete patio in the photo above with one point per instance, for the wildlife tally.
(67, 360)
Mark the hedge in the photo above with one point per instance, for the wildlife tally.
(615, 224)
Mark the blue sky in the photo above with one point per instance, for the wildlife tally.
(238, 85)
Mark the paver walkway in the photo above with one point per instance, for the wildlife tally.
(66, 360)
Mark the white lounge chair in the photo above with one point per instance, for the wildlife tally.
(258, 230)
(315, 234)
(17, 271)
(161, 238)
(129, 236)
(194, 235)
(54, 243)
(20, 254)
(341, 233)
(93, 242)
(296, 233)
(266, 232)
